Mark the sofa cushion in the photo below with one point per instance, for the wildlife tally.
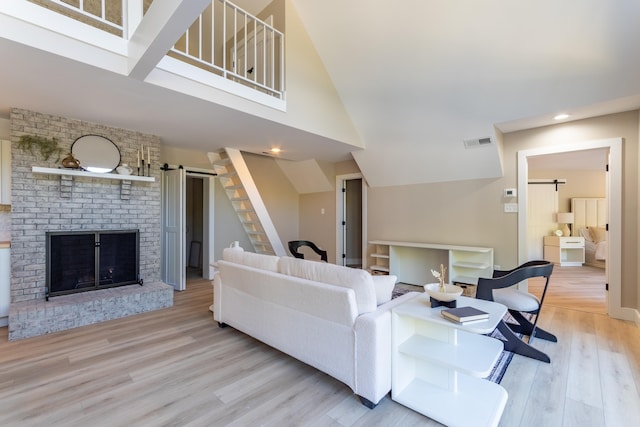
(383, 285)
(358, 280)
(261, 261)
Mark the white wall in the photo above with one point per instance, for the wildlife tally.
(471, 212)
(4, 128)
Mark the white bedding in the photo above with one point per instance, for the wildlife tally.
(601, 251)
(597, 251)
(590, 219)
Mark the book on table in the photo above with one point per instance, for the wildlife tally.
(464, 314)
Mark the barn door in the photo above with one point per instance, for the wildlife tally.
(174, 228)
(542, 208)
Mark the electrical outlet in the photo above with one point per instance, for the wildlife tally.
(511, 207)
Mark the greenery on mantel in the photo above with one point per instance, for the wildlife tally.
(46, 146)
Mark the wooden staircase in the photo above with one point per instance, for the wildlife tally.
(244, 196)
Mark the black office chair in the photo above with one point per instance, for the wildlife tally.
(295, 244)
(501, 289)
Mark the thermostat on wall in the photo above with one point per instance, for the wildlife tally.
(510, 192)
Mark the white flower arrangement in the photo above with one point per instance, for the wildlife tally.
(440, 276)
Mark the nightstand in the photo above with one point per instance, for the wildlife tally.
(565, 251)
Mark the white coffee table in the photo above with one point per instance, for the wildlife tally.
(438, 366)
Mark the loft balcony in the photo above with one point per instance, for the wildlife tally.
(214, 43)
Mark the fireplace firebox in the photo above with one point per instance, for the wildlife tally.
(80, 261)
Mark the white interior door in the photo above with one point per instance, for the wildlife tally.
(541, 210)
(353, 223)
(174, 228)
(351, 226)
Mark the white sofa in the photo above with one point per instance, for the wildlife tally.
(334, 318)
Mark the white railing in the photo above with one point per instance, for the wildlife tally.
(110, 13)
(225, 39)
(231, 42)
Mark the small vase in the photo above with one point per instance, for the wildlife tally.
(70, 162)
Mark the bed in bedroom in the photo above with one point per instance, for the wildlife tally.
(590, 219)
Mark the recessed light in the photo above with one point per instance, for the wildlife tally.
(561, 116)
(275, 150)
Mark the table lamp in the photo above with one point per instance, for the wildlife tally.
(565, 218)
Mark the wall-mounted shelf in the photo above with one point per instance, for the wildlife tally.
(66, 179)
(72, 172)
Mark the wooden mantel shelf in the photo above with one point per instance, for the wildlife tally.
(71, 172)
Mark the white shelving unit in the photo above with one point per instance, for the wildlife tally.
(412, 262)
(380, 256)
(438, 366)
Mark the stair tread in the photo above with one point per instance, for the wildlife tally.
(223, 161)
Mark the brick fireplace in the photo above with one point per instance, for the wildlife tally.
(84, 261)
(43, 203)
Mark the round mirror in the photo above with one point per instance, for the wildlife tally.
(96, 153)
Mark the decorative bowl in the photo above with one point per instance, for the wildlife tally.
(124, 169)
(451, 294)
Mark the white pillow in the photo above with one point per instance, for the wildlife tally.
(233, 254)
(598, 234)
(384, 284)
(251, 259)
(584, 232)
(261, 261)
(353, 278)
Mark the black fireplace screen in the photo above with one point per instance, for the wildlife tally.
(88, 260)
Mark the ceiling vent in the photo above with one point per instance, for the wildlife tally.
(477, 142)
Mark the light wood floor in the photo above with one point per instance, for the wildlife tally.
(175, 367)
(576, 288)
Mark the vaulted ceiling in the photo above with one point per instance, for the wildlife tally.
(416, 78)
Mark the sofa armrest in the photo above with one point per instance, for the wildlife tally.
(373, 350)
(217, 296)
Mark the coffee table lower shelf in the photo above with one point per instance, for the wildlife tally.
(438, 366)
(477, 402)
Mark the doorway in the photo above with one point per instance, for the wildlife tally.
(614, 209)
(194, 221)
(560, 186)
(187, 225)
(350, 218)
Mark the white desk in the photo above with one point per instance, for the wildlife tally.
(412, 261)
(438, 366)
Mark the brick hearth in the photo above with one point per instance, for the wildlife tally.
(39, 317)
